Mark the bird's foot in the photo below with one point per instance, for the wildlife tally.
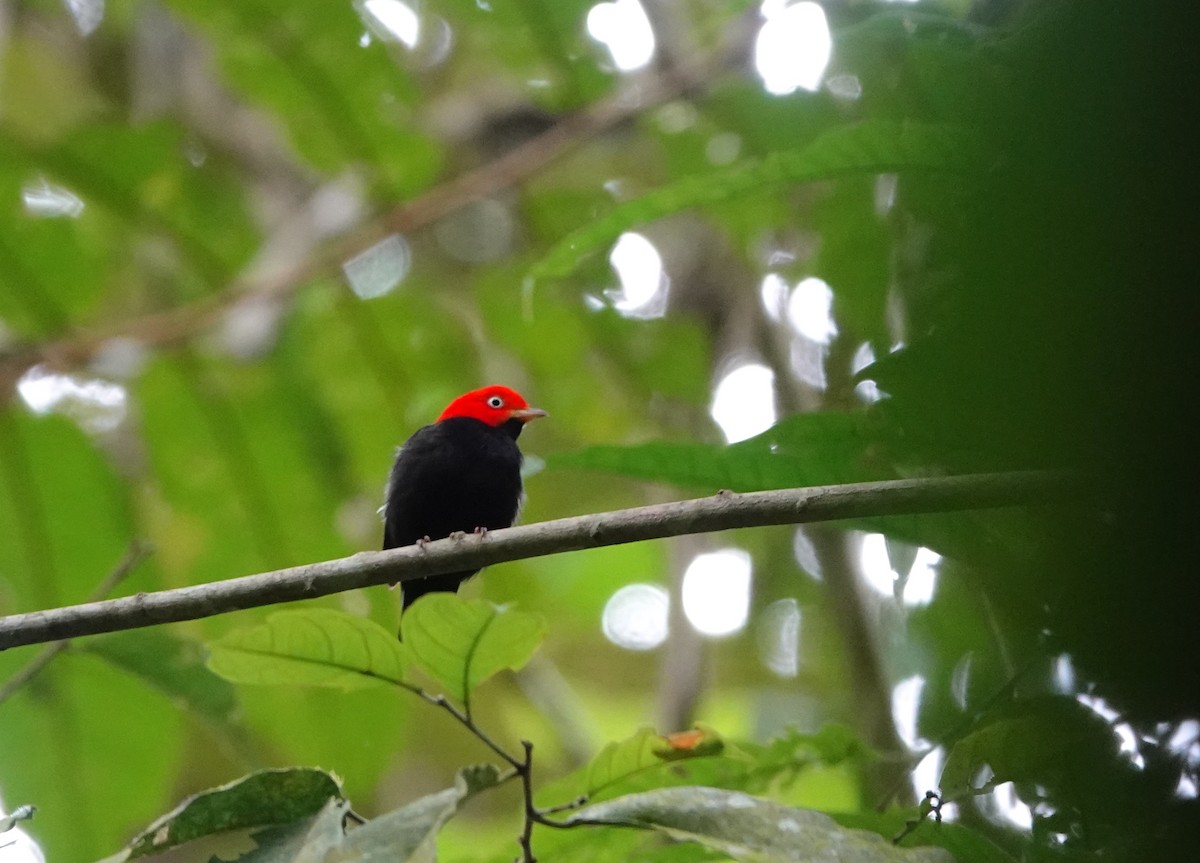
(481, 532)
(457, 535)
(422, 542)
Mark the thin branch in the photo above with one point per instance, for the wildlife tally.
(723, 511)
(570, 806)
(137, 551)
(469, 723)
(521, 768)
(174, 326)
(531, 813)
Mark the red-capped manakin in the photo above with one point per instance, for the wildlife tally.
(463, 473)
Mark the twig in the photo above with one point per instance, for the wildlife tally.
(931, 804)
(469, 723)
(562, 807)
(722, 511)
(955, 733)
(531, 812)
(521, 767)
(135, 553)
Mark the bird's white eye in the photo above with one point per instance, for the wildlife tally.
(495, 402)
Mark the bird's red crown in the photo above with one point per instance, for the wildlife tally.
(493, 405)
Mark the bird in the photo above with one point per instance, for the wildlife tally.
(461, 473)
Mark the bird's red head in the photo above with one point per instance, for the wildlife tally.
(492, 405)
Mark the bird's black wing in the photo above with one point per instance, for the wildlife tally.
(457, 475)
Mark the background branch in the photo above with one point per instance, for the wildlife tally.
(174, 326)
(723, 511)
(138, 551)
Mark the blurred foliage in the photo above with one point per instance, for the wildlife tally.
(998, 195)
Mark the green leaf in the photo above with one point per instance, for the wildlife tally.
(313, 647)
(647, 761)
(964, 843)
(621, 759)
(855, 258)
(260, 799)
(462, 643)
(1053, 740)
(804, 449)
(792, 752)
(871, 147)
(408, 833)
(750, 828)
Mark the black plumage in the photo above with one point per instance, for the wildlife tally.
(462, 473)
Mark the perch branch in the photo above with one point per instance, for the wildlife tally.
(723, 511)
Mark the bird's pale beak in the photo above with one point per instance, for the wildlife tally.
(526, 414)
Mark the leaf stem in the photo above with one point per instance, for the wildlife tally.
(466, 722)
(521, 768)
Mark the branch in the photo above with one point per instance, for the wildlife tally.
(172, 327)
(723, 511)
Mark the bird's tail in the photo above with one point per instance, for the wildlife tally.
(416, 588)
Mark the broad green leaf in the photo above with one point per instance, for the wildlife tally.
(802, 450)
(964, 843)
(462, 643)
(1052, 740)
(787, 755)
(405, 835)
(871, 147)
(313, 647)
(408, 834)
(854, 258)
(647, 761)
(621, 759)
(603, 844)
(751, 828)
(260, 799)
(171, 665)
